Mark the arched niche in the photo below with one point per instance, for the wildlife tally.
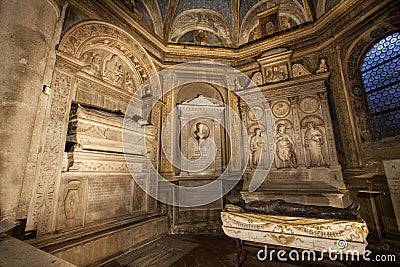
(113, 60)
(353, 59)
(193, 90)
(201, 19)
(291, 11)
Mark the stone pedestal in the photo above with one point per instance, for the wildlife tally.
(343, 236)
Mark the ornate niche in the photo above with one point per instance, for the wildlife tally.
(201, 136)
(305, 168)
(315, 142)
(208, 22)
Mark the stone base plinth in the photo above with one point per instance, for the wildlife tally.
(94, 247)
(322, 186)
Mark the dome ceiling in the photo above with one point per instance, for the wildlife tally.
(226, 23)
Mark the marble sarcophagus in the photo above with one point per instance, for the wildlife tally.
(319, 235)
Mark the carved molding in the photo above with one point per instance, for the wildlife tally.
(80, 37)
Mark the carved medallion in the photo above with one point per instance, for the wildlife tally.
(256, 113)
(281, 109)
(309, 105)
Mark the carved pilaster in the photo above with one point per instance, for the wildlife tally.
(46, 188)
(328, 128)
(168, 83)
(235, 133)
(294, 103)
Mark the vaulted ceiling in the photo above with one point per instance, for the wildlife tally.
(227, 23)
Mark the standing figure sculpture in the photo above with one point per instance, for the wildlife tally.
(256, 145)
(313, 141)
(285, 149)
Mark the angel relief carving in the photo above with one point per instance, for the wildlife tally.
(114, 71)
(93, 66)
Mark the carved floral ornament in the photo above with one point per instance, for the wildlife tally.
(97, 34)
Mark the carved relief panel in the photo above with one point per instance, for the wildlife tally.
(89, 181)
(201, 136)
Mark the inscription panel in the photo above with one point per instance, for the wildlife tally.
(108, 197)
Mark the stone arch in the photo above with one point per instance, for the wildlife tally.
(90, 33)
(290, 9)
(206, 89)
(353, 60)
(201, 19)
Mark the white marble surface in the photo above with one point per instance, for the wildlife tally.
(296, 232)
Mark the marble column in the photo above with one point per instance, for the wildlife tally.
(27, 40)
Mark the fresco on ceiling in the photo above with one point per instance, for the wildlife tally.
(137, 7)
(163, 4)
(269, 24)
(245, 5)
(144, 15)
(330, 3)
(224, 7)
(272, 27)
(200, 37)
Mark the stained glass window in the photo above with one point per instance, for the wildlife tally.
(380, 73)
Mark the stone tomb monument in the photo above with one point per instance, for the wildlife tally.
(201, 120)
(305, 168)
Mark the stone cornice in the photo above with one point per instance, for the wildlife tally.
(308, 38)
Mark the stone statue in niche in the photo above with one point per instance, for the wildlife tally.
(314, 141)
(322, 66)
(286, 158)
(204, 149)
(256, 145)
(113, 71)
(201, 133)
